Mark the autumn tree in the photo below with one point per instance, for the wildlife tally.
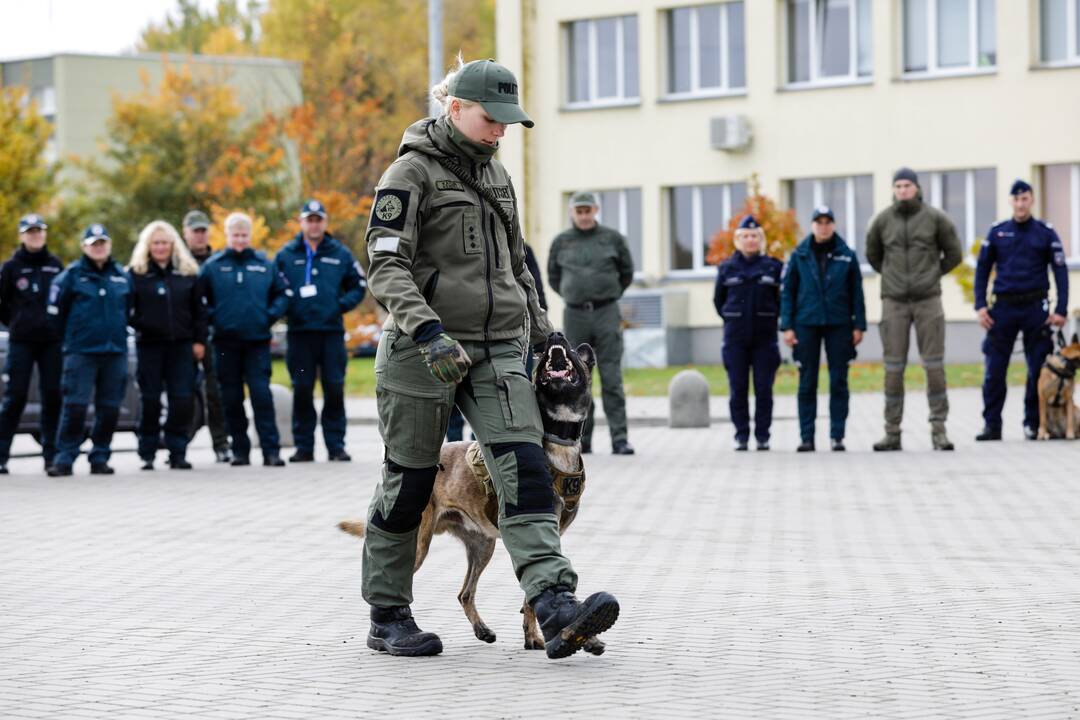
(226, 30)
(27, 180)
(781, 229)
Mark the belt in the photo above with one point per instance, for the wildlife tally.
(1020, 298)
(591, 305)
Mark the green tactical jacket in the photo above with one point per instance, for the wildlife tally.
(438, 251)
(590, 265)
(912, 245)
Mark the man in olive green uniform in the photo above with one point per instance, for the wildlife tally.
(912, 245)
(447, 259)
(590, 266)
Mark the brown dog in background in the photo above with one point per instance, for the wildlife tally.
(463, 506)
(1058, 415)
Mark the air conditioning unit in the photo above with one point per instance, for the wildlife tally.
(730, 133)
(656, 327)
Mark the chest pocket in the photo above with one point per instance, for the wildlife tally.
(766, 294)
(735, 302)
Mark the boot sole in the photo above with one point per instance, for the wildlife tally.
(431, 647)
(601, 616)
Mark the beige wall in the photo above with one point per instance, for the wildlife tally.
(1014, 119)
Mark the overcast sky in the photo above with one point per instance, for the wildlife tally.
(29, 28)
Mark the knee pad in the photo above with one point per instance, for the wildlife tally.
(413, 496)
(534, 492)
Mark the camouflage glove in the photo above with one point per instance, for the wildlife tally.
(445, 358)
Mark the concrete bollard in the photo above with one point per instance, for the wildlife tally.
(282, 413)
(688, 400)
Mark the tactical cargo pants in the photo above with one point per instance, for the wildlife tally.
(499, 402)
(928, 317)
(602, 328)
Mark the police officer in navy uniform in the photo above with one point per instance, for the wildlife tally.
(244, 296)
(32, 337)
(328, 283)
(747, 296)
(1019, 249)
(91, 300)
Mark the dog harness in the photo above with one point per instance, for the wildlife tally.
(1065, 373)
(568, 486)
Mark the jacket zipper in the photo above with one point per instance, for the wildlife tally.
(168, 306)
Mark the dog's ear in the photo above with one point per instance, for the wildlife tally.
(1075, 339)
(585, 352)
(1060, 338)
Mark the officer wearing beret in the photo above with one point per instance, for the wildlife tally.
(821, 302)
(244, 296)
(1019, 250)
(328, 283)
(590, 266)
(91, 300)
(447, 259)
(747, 296)
(33, 339)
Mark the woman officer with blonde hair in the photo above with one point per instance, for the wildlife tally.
(447, 259)
(170, 322)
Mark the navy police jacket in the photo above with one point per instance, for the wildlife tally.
(24, 294)
(333, 273)
(807, 298)
(1021, 253)
(92, 305)
(747, 296)
(244, 295)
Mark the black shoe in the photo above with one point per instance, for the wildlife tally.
(838, 445)
(58, 471)
(568, 624)
(302, 456)
(741, 446)
(101, 469)
(1030, 433)
(147, 465)
(763, 445)
(179, 464)
(586, 447)
(273, 461)
(989, 433)
(4, 470)
(340, 456)
(223, 456)
(622, 447)
(394, 631)
(239, 461)
(805, 446)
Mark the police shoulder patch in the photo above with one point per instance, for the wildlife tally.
(391, 208)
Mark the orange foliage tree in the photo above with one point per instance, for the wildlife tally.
(782, 231)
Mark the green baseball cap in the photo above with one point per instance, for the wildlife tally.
(196, 219)
(584, 199)
(494, 87)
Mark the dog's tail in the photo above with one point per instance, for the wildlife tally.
(352, 527)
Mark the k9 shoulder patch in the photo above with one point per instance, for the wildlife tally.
(391, 208)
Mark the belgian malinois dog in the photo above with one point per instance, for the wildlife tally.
(1058, 415)
(465, 506)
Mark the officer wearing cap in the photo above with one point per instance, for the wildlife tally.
(447, 260)
(91, 300)
(821, 302)
(1019, 250)
(33, 339)
(327, 283)
(590, 266)
(747, 296)
(196, 229)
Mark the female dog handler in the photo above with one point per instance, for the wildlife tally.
(448, 261)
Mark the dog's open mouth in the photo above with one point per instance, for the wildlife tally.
(557, 366)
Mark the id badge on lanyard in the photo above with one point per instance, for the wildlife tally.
(308, 290)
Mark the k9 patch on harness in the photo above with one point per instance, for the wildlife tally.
(391, 208)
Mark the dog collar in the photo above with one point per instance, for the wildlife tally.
(563, 432)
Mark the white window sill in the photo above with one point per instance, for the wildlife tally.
(698, 275)
(702, 95)
(946, 74)
(601, 104)
(1072, 63)
(827, 83)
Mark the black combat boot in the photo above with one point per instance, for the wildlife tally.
(394, 631)
(568, 624)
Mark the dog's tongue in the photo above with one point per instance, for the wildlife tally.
(559, 373)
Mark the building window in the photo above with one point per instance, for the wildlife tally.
(944, 36)
(621, 210)
(1059, 31)
(603, 61)
(829, 40)
(851, 199)
(697, 213)
(706, 52)
(968, 197)
(1061, 204)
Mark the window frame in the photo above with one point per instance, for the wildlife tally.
(933, 69)
(1071, 243)
(696, 91)
(851, 217)
(620, 99)
(816, 79)
(623, 213)
(1072, 37)
(933, 197)
(700, 269)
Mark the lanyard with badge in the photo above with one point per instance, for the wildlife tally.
(308, 289)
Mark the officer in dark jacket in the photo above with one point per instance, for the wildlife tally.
(821, 301)
(244, 296)
(747, 296)
(92, 300)
(328, 283)
(32, 337)
(170, 319)
(1020, 249)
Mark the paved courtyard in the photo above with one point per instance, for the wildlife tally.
(753, 585)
